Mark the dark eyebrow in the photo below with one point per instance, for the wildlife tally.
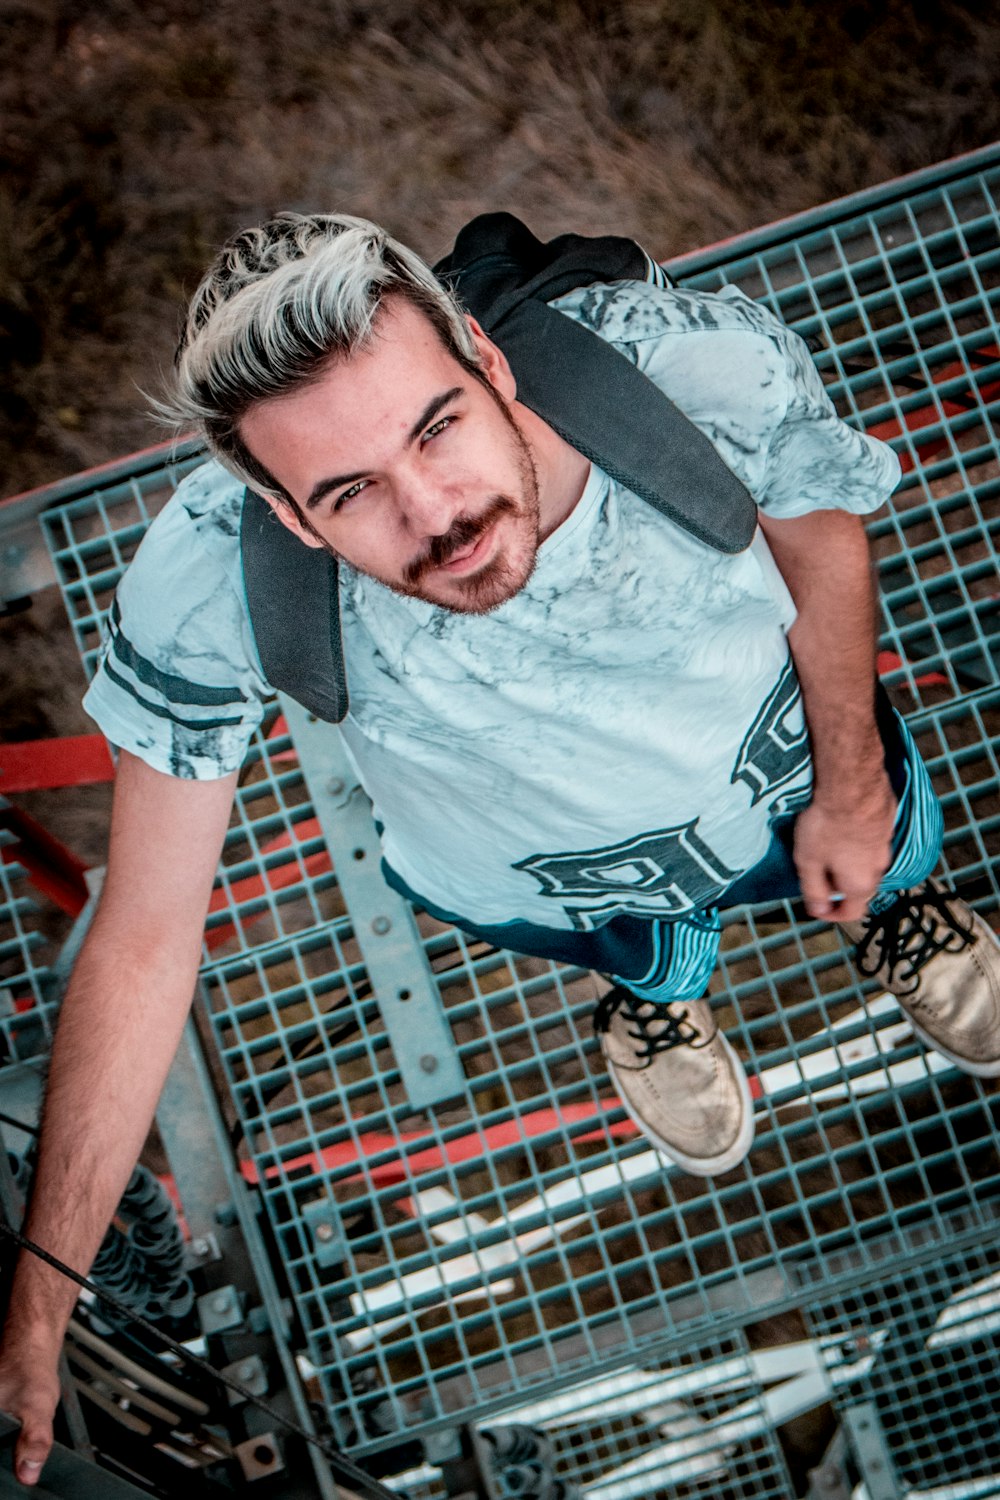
(322, 489)
(430, 411)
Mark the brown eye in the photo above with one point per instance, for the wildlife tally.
(438, 427)
(349, 494)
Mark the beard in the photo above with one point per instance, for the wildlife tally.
(506, 574)
(491, 585)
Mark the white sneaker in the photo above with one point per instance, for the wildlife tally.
(678, 1078)
(942, 962)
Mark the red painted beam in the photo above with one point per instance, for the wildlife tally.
(36, 765)
(52, 868)
(399, 1169)
(924, 416)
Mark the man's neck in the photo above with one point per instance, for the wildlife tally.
(562, 471)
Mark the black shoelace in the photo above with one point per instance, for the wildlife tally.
(675, 1032)
(908, 934)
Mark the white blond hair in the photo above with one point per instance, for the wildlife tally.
(276, 305)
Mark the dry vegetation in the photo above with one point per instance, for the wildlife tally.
(134, 138)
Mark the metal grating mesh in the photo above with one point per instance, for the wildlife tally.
(924, 1347)
(26, 981)
(900, 308)
(697, 1423)
(92, 540)
(275, 878)
(680, 1427)
(522, 1237)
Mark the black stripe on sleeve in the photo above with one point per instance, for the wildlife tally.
(165, 713)
(177, 689)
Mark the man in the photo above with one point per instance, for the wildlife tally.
(582, 728)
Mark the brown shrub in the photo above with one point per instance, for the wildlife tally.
(136, 138)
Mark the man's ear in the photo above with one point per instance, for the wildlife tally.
(290, 518)
(493, 361)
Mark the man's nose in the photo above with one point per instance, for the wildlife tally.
(427, 506)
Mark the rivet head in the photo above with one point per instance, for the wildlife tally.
(429, 1062)
(324, 1233)
(220, 1302)
(335, 786)
(381, 925)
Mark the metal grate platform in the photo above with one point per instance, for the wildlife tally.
(919, 1354)
(470, 1227)
(26, 980)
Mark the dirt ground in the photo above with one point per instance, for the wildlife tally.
(136, 137)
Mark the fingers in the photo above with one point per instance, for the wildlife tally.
(29, 1391)
(813, 864)
(830, 897)
(818, 892)
(857, 880)
(851, 908)
(33, 1447)
(839, 863)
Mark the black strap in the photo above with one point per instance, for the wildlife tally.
(585, 389)
(611, 413)
(292, 594)
(497, 263)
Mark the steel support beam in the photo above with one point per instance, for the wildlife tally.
(384, 925)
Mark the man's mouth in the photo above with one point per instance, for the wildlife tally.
(465, 547)
(467, 559)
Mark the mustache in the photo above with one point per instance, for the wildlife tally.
(463, 532)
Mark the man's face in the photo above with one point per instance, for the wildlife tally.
(408, 467)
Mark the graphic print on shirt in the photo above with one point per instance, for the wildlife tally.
(776, 749)
(660, 874)
(671, 871)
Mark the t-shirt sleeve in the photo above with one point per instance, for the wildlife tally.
(178, 683)
(750, 384)
(814, 460)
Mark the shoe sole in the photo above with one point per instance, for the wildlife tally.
(989, 1069)
(977, 1070)
(699, 1166)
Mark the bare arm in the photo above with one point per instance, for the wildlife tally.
(119, 1028)
(843, 839)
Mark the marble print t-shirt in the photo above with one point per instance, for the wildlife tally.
(614, 739)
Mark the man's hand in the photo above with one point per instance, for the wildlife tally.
(843, 850)
(843, 840)
(29, 1391)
